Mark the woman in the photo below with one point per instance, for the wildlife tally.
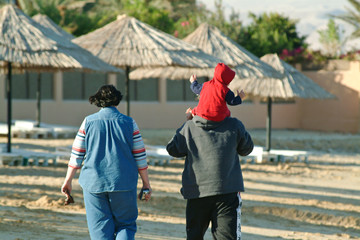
(111, 149)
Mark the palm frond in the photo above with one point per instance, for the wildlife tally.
(355, 4)
(355, 34)
(352, 17)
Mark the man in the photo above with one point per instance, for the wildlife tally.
(212, 178)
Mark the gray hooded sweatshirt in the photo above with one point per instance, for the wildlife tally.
(211, 151)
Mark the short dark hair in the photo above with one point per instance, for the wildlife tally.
(106, 96)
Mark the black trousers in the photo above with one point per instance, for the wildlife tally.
(224, 213)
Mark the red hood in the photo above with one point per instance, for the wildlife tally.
(223, 74)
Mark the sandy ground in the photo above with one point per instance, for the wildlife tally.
(318, 200)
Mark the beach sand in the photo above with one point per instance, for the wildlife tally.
(315, 200)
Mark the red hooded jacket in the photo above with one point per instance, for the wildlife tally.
(212, 105)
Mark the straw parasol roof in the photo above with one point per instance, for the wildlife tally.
(212, 41)
(294, 84)
(130, 43)
(172, 72)
(25, 44)
(45, 21)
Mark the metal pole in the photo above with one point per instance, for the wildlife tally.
(27, 85)
(127, 90)
(83, 85)
(268, 125)
(184, 83)
(38, 101)
(9, 100)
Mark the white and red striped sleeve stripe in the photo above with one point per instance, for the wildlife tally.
(138, 150)
(78, 150)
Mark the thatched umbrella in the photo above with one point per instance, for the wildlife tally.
(130, 43)
(27, 44)
(24, 44)
(294, 84)
(212, 41)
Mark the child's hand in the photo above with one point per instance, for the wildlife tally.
(188, 113)
(241, 94)
(193, 78)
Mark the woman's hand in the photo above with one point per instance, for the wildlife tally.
(66, 188)
(146, 183)
(145, 193)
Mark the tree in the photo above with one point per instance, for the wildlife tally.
(49, 8)
(198, 14)
(81, 17)
(187, 16)
(74, 21)
(144, 11)
(233, 28)
(79, 23)
(271, 33)
(352, 17)
(178, 9)
(330, 39)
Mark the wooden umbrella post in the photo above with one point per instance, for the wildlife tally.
(127, 90)
(38, 101)
(9, 101)
(268, 125)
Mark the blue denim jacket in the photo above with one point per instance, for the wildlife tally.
(109, 164)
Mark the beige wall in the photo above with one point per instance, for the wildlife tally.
(341, 114)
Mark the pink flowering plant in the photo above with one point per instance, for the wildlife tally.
(351, 56)
(302, 55)
(184, 27)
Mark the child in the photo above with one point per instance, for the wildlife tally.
(214, 95)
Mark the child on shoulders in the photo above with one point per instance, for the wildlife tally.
(215, 95)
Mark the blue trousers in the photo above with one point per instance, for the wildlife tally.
(111, 215)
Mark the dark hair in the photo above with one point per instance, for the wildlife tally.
(106, 96)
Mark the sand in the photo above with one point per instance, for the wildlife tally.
(317, 200)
